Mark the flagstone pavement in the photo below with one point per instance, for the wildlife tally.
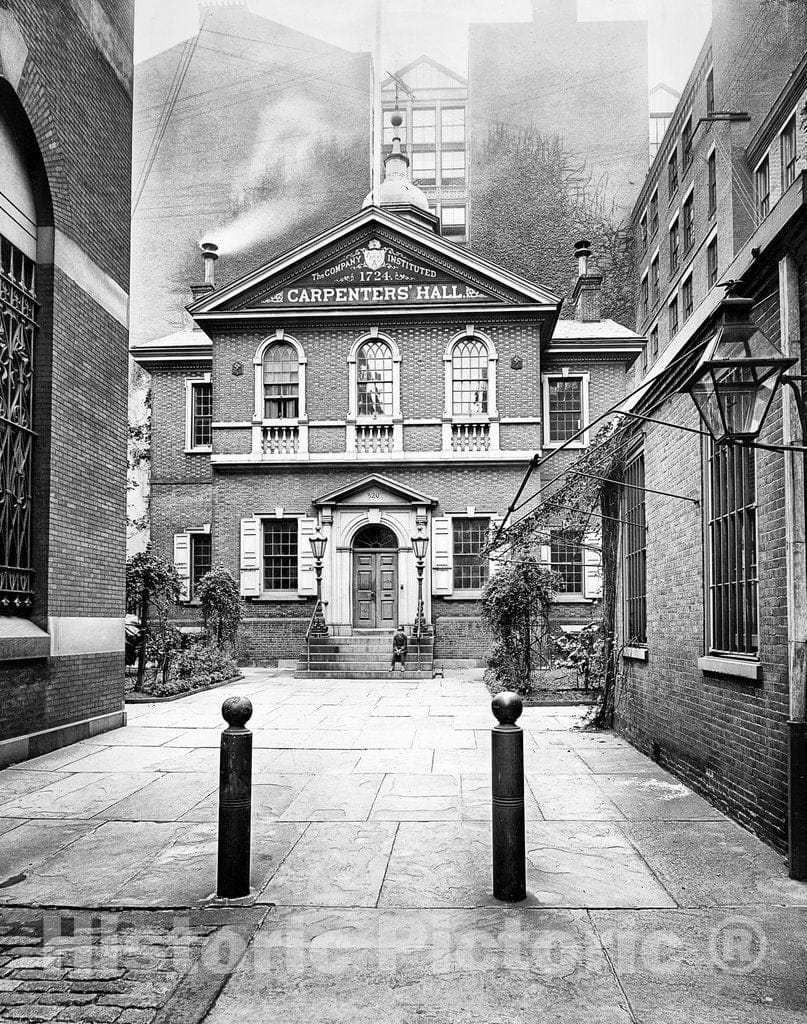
(371, 871)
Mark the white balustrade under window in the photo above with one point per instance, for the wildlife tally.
(374, 437)
(470, 437)
(280, 439)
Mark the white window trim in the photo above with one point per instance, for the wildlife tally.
(491, 417)
(474, 594)
(190, 533)
(303, 557)
(203, 378)
(258, 420)
(566, 371)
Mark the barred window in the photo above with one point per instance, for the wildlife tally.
(469, 378)
(732, 539)
(281, 382)
(201, 415)
(789, 153)
(634, 553)
(374, 379)
(565, 408)
(201, 559)
(470, 565)
(566, 559)
(18, 311)
(280, 549)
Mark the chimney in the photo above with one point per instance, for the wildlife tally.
(587, 294)
(210, 253)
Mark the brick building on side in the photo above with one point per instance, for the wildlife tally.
(379, 383)
(712, 588)
(65, 140)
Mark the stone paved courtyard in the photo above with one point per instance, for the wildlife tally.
(371, 874)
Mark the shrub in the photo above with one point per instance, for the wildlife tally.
(221, 606)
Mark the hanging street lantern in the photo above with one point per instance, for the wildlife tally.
(738, 375)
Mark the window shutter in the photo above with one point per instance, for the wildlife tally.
(495, 560)
(250, 557)
(306, 575)
(442, 556)
(592, 566)
(182, 562)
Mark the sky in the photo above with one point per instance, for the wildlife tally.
(676, 28)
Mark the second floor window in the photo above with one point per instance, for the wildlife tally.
(566, 559)
(654, 280)
(470, 561)
(565, 412)
(688, 214)
(281, 383)
(452, 164)
(789, 153)
(280, 547)
(686, 143)
(654, 213)
(673, 314)
(672, 172)
(374, 379)
(687, 298)
(762, 188)
(711, 263)
(711, 173)
(469, 378)
(201, 432)
(674, 233)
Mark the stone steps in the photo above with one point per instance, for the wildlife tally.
(355, 674)
(363, 657)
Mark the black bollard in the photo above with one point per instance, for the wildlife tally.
(507, 764)
(235, 800)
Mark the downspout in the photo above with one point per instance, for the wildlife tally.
(796, 559)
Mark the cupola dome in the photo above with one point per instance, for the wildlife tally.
(396, 191)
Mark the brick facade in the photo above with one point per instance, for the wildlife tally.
(65, 94)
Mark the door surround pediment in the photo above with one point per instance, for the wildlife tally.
(374, 491)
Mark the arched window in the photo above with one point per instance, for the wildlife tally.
(281, 382)
(374, 379)
(469, 377)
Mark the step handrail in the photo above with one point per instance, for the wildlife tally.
(318, 604)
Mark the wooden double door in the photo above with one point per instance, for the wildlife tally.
(375, 589)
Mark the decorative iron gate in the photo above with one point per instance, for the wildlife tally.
(18, 308)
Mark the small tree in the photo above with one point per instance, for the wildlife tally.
(515, 606)
(152, 588)
(221, 605)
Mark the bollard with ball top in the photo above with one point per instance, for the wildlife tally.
(507, 764)
(235, 800)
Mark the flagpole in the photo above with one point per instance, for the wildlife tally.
(378, 115)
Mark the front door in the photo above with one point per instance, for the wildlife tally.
(375, 581)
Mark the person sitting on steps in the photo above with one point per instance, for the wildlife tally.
(399, 648)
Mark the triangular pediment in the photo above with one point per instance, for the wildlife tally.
(374, 490)
(375, 259)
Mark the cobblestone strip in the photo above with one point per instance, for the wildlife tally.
(123, 967)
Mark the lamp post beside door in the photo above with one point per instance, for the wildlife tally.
(318, 544)
(420, 545)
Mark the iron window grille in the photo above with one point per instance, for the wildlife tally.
(674, 239)
(565, 408)
(711, 174)
(566, 559)
(762, 188)
(281, 383)
(280, 551)
(470, 564)
(672, 172)
(18, 312)
(374, 379)
(732, 539)
(634, 552)
(201, 415)
(469, 378)
(711, 263)
(201, 560)
(689, 221)
(789, 153)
